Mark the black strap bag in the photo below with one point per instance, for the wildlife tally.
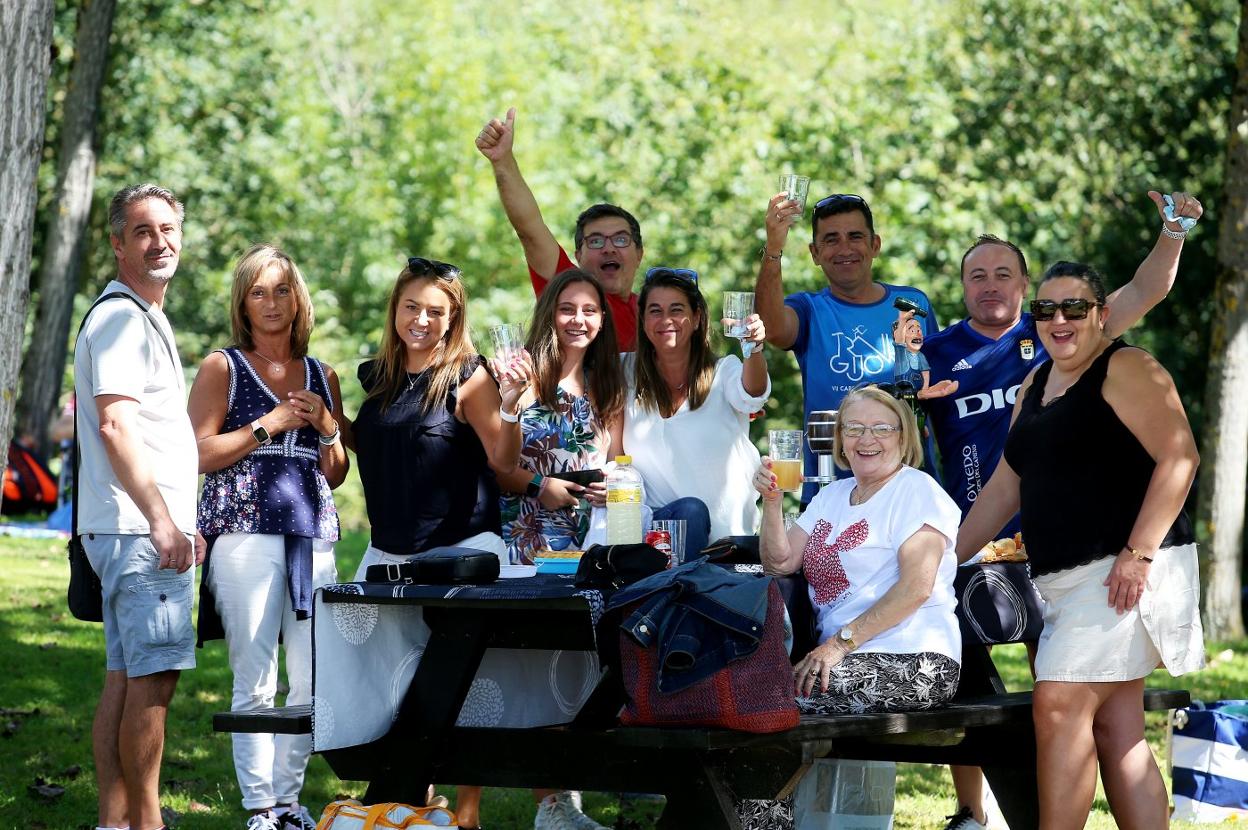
(85, 595)
(440, 566)
(611, 567)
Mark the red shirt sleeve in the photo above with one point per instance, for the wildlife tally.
(623, 312)
(540, 282)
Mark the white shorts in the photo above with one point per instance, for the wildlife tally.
(1086, 640)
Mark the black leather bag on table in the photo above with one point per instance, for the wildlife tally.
(611, 567)
(440, 566)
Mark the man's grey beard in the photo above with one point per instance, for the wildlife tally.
(161, 276)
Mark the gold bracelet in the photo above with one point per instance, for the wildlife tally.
(767, 255)
(1139, 557)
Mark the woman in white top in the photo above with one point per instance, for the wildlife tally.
(687, 418)
(877, 550)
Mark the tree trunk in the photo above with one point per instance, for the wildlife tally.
(1224, 465)
(25, 63)
(65, 244)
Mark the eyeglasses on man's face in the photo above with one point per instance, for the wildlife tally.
(1073, 308)
(598, 241)
(420, 266)
(881, 431)
(680, 273)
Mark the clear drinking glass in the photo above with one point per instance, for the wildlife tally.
(797, 187)
(785, 449)
(737, 306)
(507, 340)
(676, 532)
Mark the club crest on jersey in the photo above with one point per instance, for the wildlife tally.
(1027, 349)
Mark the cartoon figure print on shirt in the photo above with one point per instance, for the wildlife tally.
(822, 562)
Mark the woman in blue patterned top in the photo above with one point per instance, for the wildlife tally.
(266, 419)
(565, 418)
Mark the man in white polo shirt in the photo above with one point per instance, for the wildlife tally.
(136, 511)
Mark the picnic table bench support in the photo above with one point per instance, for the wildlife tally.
(427, 715)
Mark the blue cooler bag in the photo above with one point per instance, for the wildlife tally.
(1209, 754)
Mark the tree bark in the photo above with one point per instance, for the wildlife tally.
(1224, 467)
(65, 244)
(25, 63)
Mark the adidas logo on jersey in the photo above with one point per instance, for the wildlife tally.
(960, 365)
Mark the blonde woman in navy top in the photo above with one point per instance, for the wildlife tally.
(266, 419)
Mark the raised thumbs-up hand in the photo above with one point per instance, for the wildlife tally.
(494, 140)
(1185, 204)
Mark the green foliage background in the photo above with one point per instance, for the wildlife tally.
(343, 132)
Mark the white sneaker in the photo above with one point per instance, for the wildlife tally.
(296, 818)
(263, 821)
(557, 812)
(964, 819)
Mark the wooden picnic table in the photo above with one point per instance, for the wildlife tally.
(700, 771)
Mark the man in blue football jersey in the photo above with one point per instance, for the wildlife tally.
(989, 354)
(842, 334)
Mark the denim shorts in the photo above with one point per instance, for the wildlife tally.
(147, 610)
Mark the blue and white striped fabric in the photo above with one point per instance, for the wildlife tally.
(1209, 753)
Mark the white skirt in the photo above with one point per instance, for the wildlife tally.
(1085, 640)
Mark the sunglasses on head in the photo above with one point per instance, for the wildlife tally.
(598, 241)
(902, 390)
(420, 266)
(838, 199)
(1075, 308)
(680, 273)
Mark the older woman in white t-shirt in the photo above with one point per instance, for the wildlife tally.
(877, 550)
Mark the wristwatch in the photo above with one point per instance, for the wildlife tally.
(846, 636)
(534, 488)
(260, 434)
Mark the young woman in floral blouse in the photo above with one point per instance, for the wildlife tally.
(565, 417)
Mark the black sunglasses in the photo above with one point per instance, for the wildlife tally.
(680, 273)
(902, 390)
(837, 199)
(420, 266)
(1074, 308)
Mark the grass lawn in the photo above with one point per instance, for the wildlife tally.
(51, 673)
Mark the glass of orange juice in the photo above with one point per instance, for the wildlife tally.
(786, 458)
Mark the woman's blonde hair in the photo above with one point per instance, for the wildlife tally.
(652, 392)
(449, 356)
(911, 447)
(249, 268)
(605, 383)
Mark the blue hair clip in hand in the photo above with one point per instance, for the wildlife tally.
(1185, 222)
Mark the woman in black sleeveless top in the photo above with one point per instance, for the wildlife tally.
(431, 430)
(1100, 458)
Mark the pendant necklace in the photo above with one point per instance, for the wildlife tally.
(275, 368)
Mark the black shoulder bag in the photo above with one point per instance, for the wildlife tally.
(85, 595)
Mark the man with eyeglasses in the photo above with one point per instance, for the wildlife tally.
(607, 238)
(842, 334)
(990, 353)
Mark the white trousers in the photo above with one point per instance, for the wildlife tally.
(247, 573)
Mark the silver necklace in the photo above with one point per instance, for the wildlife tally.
(863, 496)
(274, 367)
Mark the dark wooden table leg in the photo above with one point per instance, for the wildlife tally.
(1014, 788)
(408, 755)
(701, 799)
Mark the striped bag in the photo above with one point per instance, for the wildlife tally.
(352, 815)
(1209, 758)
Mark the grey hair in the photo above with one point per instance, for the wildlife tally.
(137, 193)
